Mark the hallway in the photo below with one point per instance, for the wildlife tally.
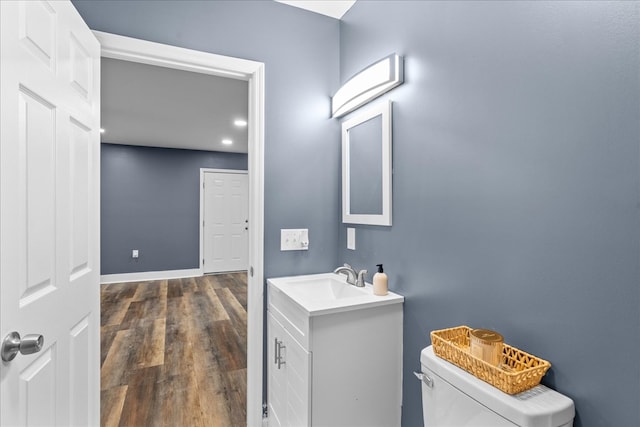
(173, 352)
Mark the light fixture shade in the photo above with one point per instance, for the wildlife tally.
(368, 84)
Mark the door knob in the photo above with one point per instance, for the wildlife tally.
(12, 344)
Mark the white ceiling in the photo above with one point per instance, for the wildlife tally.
(333, 8)
(162, 107)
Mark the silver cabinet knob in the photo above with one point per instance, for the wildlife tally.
(12, 344)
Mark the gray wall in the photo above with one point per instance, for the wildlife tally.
(516, 167)
(300, 50)
(516, 195)
(150, 201)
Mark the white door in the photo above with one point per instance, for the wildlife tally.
(49, 217)
(226, 222)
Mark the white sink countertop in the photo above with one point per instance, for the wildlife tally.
(326, 293)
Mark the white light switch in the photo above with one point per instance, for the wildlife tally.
(351, 239)
(134, 253)
(294, 239)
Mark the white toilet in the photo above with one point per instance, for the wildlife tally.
(451, 397)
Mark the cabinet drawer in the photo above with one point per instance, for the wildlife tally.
(290, 315)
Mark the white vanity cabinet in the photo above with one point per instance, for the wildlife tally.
(333, 364)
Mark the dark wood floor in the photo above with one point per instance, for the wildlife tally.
(174, 352)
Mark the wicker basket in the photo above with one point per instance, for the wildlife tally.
(519, 371)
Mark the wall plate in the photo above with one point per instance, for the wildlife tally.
(294, 239)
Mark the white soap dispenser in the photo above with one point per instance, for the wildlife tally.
(380, 282)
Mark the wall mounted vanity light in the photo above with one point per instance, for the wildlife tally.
(368, 84)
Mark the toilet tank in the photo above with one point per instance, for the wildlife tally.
(451, 397)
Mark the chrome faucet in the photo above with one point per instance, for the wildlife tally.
(353, 278)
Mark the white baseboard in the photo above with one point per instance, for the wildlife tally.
(149, 275)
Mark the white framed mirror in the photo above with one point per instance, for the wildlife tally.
(366, 167)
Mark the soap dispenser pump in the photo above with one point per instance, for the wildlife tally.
(380, 282)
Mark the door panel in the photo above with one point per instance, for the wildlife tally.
(80, 386)
(81, 185)
(81, 68)
(36, 183)
(37, 385)
(49, 212)
(37, 30)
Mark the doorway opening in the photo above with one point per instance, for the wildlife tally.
(128, 49)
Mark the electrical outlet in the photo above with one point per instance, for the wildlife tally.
(294, 239)
(135, 253)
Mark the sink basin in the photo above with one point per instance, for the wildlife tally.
(328, 293)
(325, 288)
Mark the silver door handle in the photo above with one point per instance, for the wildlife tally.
(12, 344)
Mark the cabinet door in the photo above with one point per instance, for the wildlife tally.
(276, 393)
(298, 382)
(289, 368)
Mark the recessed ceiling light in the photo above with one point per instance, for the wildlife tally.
(227, 141)
(240, 123)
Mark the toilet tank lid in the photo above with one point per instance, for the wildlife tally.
(537, 407)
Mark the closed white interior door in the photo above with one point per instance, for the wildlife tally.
(49, 213)
(226, 222)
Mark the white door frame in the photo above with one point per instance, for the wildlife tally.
(135, 50)
(202, 172)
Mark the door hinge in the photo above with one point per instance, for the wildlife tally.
(202, 261)
(265, 410)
